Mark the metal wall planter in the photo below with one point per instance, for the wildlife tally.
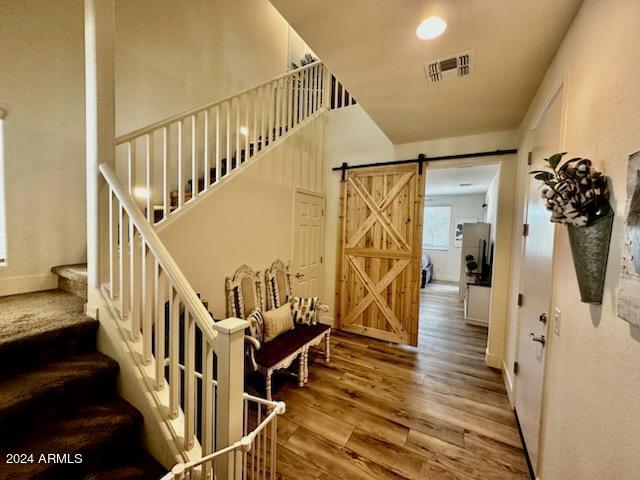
(590, 250)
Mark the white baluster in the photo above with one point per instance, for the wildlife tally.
(174, 354)
(123, 235)
(166, 200)
(254, 133)
(247, 99)
(228, 142)
(180, 167)
(270, 118)
(147, 301)
(160, 288)
(131, 165)
(277, 99)
(194, 160)
(263, 94)
(112, 246)
(237, 133)
(218, 159)
(189, 378)
(207, 173)
(134, 254)
(149, 174)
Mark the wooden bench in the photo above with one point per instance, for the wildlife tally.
(247, 291)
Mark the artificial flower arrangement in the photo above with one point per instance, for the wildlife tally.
(575, 193)
(577, 196)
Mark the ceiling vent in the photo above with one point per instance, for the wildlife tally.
(444, 69)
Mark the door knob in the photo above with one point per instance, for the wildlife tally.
(543, 318)
(541, 339)
(299, 275)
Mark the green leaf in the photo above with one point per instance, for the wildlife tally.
(544, 176)
(554, 160)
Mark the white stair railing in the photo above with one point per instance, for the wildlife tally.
(255, 453)
(169, 163)
(194, 366)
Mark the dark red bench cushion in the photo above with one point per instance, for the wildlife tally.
(270, 353)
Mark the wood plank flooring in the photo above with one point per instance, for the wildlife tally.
(385, 411)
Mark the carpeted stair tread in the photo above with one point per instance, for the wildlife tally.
(98, 432)
(62, 380)
(37, 327)
(76, 272)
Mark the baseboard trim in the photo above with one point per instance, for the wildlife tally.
(508, 383)
(445, 278)
(27, 283)
(492, 360)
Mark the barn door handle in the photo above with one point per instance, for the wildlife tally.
(299, 275)
(541, 340)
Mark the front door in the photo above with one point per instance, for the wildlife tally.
(536, 285)
(307, 244)
(380, 250)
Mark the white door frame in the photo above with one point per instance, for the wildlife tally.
(322, 197)
(560, 88)
(501, 249)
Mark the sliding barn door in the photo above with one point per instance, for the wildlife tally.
(380, 251)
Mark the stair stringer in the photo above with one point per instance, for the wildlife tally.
(162, 437)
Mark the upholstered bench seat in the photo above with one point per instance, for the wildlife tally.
(271, 353)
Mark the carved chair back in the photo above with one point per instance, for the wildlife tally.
(245, 292)
(278, 284)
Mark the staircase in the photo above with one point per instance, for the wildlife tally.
(60, 415)
(168, 164)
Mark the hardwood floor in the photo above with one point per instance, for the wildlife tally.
(384, 411)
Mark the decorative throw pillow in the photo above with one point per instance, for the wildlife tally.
(277, 321)
(256, 325)
(303, 310)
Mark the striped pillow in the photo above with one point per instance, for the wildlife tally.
(303, 310)
(256, 325)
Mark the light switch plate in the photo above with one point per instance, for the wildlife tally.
(557, 316)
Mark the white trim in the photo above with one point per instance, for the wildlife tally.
(27, 283)
(508, 384)
(492, 360)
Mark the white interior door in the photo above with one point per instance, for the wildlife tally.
(307, 244)
(536, 285)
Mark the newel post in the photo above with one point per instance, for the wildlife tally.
(230, 398)
(99, 26)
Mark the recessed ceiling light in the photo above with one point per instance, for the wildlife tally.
(430, 28)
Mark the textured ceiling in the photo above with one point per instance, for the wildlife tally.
(372, 48)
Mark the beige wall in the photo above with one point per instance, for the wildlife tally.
(42, 87)
(185, 54)
(352, 137)
(169, 57)
(248, 219)
(591, 424)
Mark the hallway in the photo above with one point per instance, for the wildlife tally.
(383, 411)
